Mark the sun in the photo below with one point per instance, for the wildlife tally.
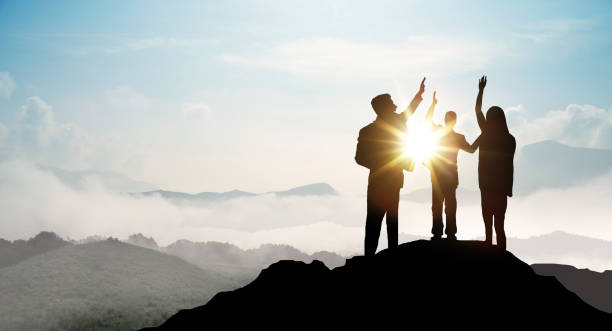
(420, 143)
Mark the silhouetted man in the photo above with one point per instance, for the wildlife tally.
(379, 148)
(443, 170)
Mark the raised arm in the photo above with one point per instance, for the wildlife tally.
(479, 115)
(415, 101)
(430, 111)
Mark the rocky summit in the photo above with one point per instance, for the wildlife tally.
(436, 283)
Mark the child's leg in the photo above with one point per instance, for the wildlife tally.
(450, 209)
(437, 199)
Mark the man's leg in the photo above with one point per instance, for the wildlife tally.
(450, 208)
(373, 222)
(392, 217)
(437, 198)
(500, 215)
(487, 216)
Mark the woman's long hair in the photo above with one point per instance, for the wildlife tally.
(495, 160)
(496, 122)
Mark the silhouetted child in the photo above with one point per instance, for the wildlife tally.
(495, 167)
(443, 170)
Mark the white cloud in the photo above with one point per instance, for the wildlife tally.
(576, 125)
(329, 58)
(37, 136)
(7, 85)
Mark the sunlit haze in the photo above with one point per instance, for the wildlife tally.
(421, 142)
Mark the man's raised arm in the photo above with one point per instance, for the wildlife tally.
(482, 82)
(415, 101)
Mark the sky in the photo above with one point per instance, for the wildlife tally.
(261, 96)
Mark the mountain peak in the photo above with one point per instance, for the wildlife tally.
(141, 240)
(310, 189)
(440, 282)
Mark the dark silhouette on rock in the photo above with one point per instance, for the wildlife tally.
(380, 149)
(443, 171)
(495, 167)
(439, 283)
(595, 288)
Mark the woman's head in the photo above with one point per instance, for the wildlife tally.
(496, 120)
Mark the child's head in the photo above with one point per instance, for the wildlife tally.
(450, 119)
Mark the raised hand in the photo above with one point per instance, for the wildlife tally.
(435, 100)
(422, 88)
(482, 82)
(415, 101)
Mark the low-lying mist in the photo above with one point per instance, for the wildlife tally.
(34, 200)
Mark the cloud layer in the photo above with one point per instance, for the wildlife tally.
(34, 200)
(338, 59)
(576, 125)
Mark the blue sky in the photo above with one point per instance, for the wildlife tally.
(263, 95)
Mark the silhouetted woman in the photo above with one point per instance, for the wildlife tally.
(495, 167)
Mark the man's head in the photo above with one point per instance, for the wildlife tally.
(383, 104)
(450, 119)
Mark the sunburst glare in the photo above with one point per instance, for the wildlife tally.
(420, 143)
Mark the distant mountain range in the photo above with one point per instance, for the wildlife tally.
(542, 165)
(550, 164)
(316, 189)
(106, 285)
(555, 247)
(60, 269)
(232, 261)
(114, 285)
(19, 250)
(564, 248)
(595, 288)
